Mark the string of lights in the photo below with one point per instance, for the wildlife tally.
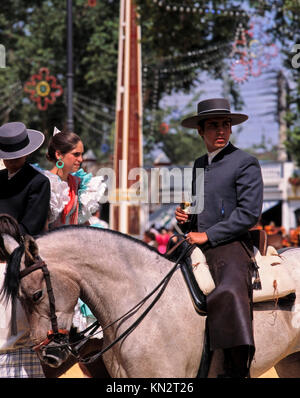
(90, 127)
(198, 9)
(94, 101)
(154, 100)
(87, 117)
(210, 10)
(88, 122)
(95, 109)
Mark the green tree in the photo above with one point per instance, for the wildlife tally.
(176, 46)
(34, 35)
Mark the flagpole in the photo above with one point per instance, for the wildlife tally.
(70, 122)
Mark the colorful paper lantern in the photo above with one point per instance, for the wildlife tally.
(43, 89)
(164, 128)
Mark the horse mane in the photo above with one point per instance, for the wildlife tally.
(11, 282)
(105, 230)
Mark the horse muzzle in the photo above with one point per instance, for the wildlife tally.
(54, 350)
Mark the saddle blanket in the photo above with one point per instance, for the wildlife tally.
(275, 279)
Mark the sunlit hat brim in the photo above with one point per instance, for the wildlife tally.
(193, 121)
(36, 139)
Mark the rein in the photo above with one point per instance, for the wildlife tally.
(58, 335)
(163, 283)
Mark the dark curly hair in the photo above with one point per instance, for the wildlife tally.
(63, 142)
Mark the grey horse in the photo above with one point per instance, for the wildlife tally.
(112, 272)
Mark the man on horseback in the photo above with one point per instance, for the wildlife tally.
(25, 192)
(233, 196)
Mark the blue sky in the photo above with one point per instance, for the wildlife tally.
(259, 96)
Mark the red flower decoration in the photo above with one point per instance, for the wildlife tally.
(43, 89)
(92, 3)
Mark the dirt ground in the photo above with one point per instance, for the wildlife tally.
(75, 372)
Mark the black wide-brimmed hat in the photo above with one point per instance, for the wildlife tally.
(17, 141)
(214, 107)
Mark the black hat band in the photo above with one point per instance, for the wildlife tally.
(214, 111)
(15, 147)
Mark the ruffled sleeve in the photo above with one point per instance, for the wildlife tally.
(59, 193)
(90, 193)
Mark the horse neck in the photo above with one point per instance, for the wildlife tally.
(113, 272)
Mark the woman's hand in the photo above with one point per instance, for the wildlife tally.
(198, 238)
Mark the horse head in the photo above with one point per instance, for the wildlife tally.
(49, 315)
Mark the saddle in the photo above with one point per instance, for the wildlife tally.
(174, 249)
(276, 282)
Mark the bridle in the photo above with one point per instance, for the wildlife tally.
(59, 335)
(55, 334)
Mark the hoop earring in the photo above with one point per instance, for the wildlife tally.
(59, 164)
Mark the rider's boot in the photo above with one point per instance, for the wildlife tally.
(237, 362)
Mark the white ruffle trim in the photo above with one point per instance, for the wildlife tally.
(90, 192)
(59, 195)
(90, 198)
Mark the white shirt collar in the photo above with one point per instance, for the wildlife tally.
(211, 155)
(11, 175)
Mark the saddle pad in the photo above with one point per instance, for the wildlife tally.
(201, 271)
(275, 279)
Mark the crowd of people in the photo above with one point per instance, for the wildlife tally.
(158, 238)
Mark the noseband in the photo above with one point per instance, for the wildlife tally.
(55, 334)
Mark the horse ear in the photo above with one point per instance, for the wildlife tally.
(7, 245)
(31, 250)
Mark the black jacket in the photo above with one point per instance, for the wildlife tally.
(26, 197)
(232, 194)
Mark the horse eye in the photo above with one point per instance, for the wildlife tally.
(36, 296)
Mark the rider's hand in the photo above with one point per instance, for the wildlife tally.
(199, 238)
(181, 216)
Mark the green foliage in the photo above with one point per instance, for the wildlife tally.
(293, 144)
(34, 35)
